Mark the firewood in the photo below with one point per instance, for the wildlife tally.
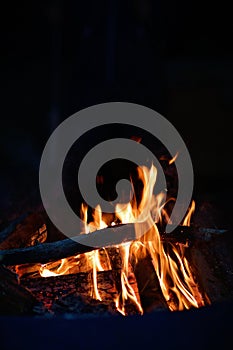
(212, 263)
(47, 252)
(14, 299)
(116, 255)
(71, 293)
(48, 289)
(181, 234)
(148, 284)
(27, 230)
(114, 235)
(44, 253)
(74, 264)
(4, 234)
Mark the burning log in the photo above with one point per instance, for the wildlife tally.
(128, 299)
(43, 253)
(14, 299)
(61, 286)
(115, 235)
(72, 293)
(148, 284)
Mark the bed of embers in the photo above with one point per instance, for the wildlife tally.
(43, 274)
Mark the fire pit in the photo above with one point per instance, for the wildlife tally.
(155, 277)
(189, 268)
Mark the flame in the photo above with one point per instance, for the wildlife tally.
(169, 261)
(170, 161)
(191, 210)
(137, 139)
(127, 291)
(173, 159)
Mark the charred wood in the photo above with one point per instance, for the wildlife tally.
(14, 298)
(27, 230)
(6, 232)
(212, 263)
(116, 255)
(72, 293)
(148, 284)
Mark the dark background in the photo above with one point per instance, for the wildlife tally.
(61, 56)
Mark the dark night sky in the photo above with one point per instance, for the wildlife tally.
(60, 56)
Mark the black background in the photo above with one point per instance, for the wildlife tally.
(61, 56)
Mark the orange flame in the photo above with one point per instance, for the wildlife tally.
(127, 291)
(170, 264)
(173, 159)
(187, 219)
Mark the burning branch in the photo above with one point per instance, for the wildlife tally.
(46, 252)
(115, 235)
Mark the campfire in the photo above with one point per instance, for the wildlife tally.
(140, 273)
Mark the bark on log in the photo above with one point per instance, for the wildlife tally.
(191, 233)
(44, 253)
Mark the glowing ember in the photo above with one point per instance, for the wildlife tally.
(170, 264)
